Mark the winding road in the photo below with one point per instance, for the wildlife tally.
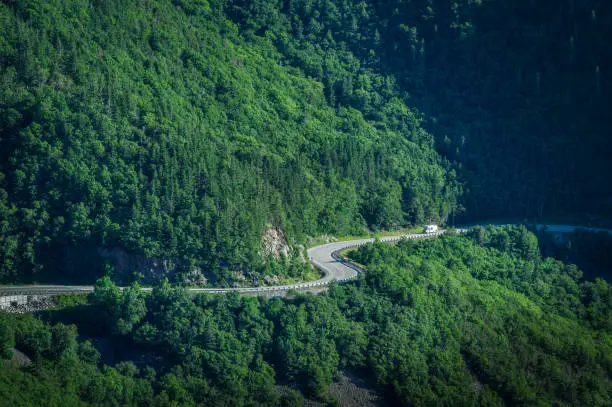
(324, 257)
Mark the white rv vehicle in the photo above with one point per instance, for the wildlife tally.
(431, 228)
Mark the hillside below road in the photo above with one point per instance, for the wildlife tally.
(324, 257)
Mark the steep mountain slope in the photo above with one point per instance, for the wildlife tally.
(157, 129)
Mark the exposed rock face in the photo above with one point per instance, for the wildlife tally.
(273, 243)
(152, 269)
(195, 277)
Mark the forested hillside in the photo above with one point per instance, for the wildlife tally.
(181, 130)
(480, 319)
(160, 130)
(517, 93)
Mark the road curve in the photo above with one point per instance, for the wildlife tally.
(324, 257)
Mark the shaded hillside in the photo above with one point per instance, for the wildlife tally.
(516, 93)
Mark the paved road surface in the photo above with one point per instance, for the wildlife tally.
(324, 257)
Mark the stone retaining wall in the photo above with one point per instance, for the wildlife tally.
(22, 304)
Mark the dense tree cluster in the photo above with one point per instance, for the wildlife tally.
(487, 312)
(481, 319)
(159, 128)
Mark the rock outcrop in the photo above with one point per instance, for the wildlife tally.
(273, 243)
